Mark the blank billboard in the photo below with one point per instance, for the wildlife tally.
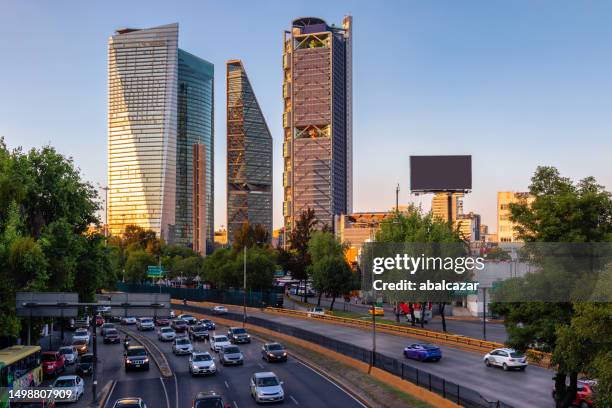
(440, 173)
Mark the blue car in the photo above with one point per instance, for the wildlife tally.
(423, 352)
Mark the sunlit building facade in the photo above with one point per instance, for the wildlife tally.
(505, 226)
(317, 120)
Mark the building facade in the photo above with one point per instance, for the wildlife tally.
(160, 105)
(249, 155)
(440, 203)
(505, 227)
(317, 120)
(469, 226)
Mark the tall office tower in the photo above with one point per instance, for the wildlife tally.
(317, 120)
(440, 206)
(160, 106)
(505, 226)
(249, 155)
(195, 146)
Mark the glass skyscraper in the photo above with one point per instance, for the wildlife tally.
(160, 109)
(249, 155)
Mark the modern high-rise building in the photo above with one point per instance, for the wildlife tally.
(160, 120)
(249, 155)
(317, 120)
(440, 206)
(505, 227)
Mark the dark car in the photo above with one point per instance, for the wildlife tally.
(53, 363)
(198, 332)
(111, 336)
(273, 352)
(238, 335)
(209, 324)
(106, 326)
(179, 326)
(209, 400)
(162, 322)
(84, 364)
(136, 357)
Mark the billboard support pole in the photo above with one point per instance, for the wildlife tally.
(450, 209)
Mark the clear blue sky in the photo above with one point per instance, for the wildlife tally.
(514, 83)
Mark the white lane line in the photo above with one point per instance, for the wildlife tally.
(165, 392)
(226, 385)
(294, 400)
(334, 384)
(235, 404)
(176, 395)
(260, 365)
(110, 393)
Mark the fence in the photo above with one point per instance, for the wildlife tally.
(457, 393)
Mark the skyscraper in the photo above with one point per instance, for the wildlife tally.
(317, 120)
(440, 206)
(160, 105)
(249, 155)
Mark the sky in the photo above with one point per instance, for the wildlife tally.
(516, 84)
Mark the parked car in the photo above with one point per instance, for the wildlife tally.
(72, 384)
(53, 363)
(506, 358)
(209, 400)
(106, 326)
(198, 332)
(81, 334)
(145, 323)
(136, 357)
(81, 346)
(131, 402)
(166, 334)
(179, 325)
(70, 354)
(85, 364)
(162, 321)
(379, 311)
(209, 324)
(188, 318)
(423, 352)
(584, 394)
(129, 320)
(231, 355)
(111, 336)
(218, 341)
(219, 310)
(238, 335)
(273, 352)
(266, 387)
(201, 362)
(182, 345)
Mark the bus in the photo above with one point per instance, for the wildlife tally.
(20, 368)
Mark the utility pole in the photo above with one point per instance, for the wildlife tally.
(244, 287)
(105, 208)
(397, 190)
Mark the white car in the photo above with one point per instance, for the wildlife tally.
(132, 402)
(218, 342)
(145, 323)
(81, 334)
(166, 334)
(201, 362)
(69, 353)
(128, 320)
(72, 385)
(506, 358)
(188, 318)
(317, 310)
(172, 314)
(182, 345)
(266, 387)
(218, 310)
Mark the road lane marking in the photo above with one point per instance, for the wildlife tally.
(333, 383)
(226, 385)
(294, 400)
(176, 394)
(110, 393)
(235, 404)
(260, 365)
(165, 392)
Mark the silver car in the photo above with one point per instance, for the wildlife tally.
(266, 387)
(182, 345)
(231, 355)
(201, 362)
(69, 353)
(166, 334)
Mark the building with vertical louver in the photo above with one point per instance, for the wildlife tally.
(249, 155)
(317, 120)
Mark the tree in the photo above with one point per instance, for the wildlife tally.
(136, 265)
(221, 269)
(187, 267)
(260, 269)
(62, 248)
(323, 249)
(299, 258)
(250, 236)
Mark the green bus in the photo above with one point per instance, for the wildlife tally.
(20, 368)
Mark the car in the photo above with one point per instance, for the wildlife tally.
(506, 358)
(69, 353)
(209, 399)
(73, 385)
(99, 321)
(145, 323)
(81, 323)
(85, 364)
(111, 336)
(53, 363)
(231, 355)
(198, 332)
(584, 394)
(128, 320)
(423, 352)
(238, 335)
(80, 345)
(219, 310)
(273, 352)
(136, 357)
(162, 321)
(81, 334)
(266, 387)
(317, 310)
(166, 334)
(201, 362)
(130, 402)
(105, 327)
(179, 326)
(181, 346)
(209, 324)
(172, 314)
(378, 311)
(188, 318)
(103, 309)
(218, 341)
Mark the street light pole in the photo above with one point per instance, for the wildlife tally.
(244, 286)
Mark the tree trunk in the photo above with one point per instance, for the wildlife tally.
(319, 300)
(564, 394)
(441, 306)
(397, 312)
(422, 315)
(331, 307)
(412, 316)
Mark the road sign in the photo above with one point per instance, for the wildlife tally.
(47, 304)
(155, 271)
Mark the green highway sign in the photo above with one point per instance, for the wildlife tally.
(154, 271)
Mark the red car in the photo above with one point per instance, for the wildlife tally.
(162, 321)
(53, 363)
(179, 326)
(584, 394)
(99, 321)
